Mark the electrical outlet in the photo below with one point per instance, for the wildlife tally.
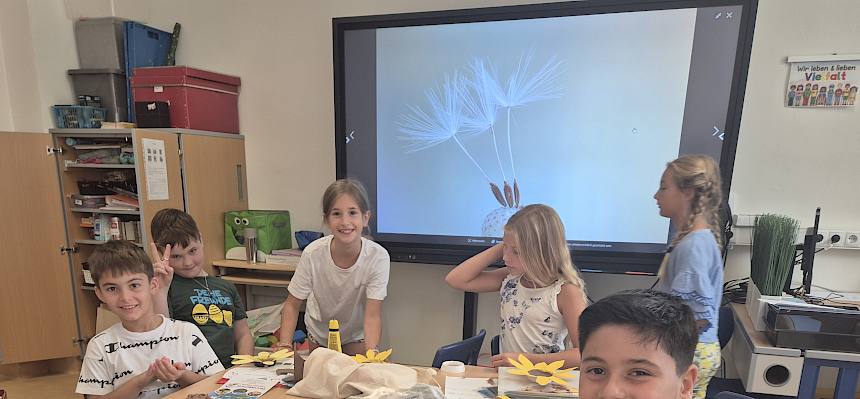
(852, 239)
(837, 238)
(825, 240)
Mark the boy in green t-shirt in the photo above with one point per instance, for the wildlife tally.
(209, 302)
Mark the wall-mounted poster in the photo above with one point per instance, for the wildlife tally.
(822, 81)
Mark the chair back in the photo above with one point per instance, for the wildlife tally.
(465, 351)
(725, 326)
(495, 346)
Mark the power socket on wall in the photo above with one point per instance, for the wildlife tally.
(852, 239)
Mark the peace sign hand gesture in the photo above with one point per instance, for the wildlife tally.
(161, 266)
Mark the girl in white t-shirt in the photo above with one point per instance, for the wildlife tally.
(343, 276)
(542, 294)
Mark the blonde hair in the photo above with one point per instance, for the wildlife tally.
(539, 234)
(701, 175)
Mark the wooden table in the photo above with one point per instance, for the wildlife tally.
(255, 279)
(210, 384)
(267, 274)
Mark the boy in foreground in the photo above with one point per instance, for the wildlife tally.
(146, 355)
(637, 344)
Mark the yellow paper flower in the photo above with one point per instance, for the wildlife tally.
(373, 356)
(502, 397)
(542, 373)
(262, 358)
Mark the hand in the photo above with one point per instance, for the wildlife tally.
(161, 266)
(501, 360)
(167, 371)
(282, 345)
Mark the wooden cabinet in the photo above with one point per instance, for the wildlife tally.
(214, 175)
(37, 313)
(46, 308)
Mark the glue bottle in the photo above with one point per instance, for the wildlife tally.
(334, 336)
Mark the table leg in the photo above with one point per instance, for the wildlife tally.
(846, 383)
(808, 379)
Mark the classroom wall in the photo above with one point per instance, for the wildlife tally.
(282, 51)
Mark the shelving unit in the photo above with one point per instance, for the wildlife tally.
(206, 178)
(98, 166)
(107, 211)
(72, 171)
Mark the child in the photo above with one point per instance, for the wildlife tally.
(343, 276)
(211, 303)
(690, 196)
(637, 344)
(542, 293)
(146, 355)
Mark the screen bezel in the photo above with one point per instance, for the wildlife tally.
(589, 261)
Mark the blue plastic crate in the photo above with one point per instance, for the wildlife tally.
(78, 117)
(145, 46)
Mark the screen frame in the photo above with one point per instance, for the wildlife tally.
(587, 261)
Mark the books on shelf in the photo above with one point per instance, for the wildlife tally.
(287, 252)
(120, 202)
(281, 259)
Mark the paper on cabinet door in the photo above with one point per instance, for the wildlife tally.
(155, 169)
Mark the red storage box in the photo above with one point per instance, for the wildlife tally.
(198, 99)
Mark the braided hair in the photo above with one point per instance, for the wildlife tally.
(701, 175)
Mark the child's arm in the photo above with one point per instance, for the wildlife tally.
(372, 324)
(570, 304)
(471, 276)
(130, 389)
(289, 317)
(242, 335)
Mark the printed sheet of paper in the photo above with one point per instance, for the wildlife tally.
(155, 169)
(465, 388)
(246, 383)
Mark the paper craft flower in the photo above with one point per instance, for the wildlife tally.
(542, 373)
(373, 356)
(262, 358)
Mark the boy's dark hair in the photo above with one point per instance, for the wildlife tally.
(174, 227)
(119, 257)
(654, 316)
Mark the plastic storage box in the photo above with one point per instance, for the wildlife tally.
(100, 42)
(145, 46)
(78, 117)
(198, 99)
(152, 114)
(109, 84)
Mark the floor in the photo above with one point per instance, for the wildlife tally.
(57, 386)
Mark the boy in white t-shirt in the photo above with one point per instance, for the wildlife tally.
(343, 276)
(146, 355)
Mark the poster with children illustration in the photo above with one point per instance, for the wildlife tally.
(827, 83)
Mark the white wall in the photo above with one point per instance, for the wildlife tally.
(788, 161)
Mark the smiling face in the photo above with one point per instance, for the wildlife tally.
(129, 296)
(346, 220)
(188, 261)
(616, 363)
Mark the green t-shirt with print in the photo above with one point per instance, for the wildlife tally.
(213, 305)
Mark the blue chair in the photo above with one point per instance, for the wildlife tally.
(495, 344)
(465, 351)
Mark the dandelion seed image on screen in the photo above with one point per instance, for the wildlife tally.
(476, 104)
(456, 120)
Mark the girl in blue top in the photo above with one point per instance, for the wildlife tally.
(689, 195)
